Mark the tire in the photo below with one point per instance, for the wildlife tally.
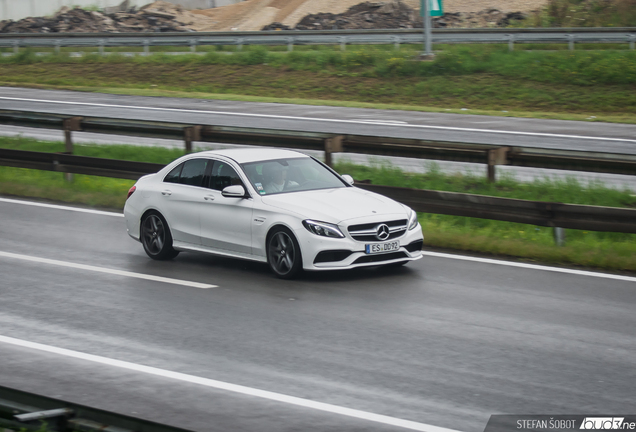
(156, 237)
(283, 253)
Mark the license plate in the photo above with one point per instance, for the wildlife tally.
(375, 248)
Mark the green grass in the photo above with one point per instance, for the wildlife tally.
(584, 68)
(610, 251)
(91, 190)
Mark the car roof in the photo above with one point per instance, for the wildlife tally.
(246, 155)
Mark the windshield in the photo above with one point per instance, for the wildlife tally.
(290, 175)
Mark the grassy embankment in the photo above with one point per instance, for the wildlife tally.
(597, 85)
(610, 251)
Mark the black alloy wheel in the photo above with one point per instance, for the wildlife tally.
(156, 237)
(283, 254)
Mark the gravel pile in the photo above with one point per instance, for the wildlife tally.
(162, 16)
(397, 14)
(159, 16)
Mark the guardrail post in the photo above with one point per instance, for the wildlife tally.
(290, 44)
(102, 42)
(16, 47)
(146, 47)
(193, 45)
(511, 42)
(559, 236)
(332, 145)
(396, 43)
(343, 43)
(497, 156)
(239, 43)
(192, 133)
(70, 125)
(632, 41)
(571, 41)
(58, 42)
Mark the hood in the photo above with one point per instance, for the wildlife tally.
(335, 205)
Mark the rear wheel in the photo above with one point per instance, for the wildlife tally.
(156, 237)
(283, 253)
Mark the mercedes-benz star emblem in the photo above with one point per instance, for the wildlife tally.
(382, 232)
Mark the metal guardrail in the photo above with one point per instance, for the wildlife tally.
(324, 37)
(547, 214)
(68, 163)
(489, 155)
(21, 410)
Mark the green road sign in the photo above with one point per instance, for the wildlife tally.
(435, 6)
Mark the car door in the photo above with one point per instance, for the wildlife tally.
(182, 198)
(225, 221)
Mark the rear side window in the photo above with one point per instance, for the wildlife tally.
(190, 172)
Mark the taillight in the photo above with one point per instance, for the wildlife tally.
(131, 191)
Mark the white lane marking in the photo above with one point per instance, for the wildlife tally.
(221, 385)
(107, 270)
(435, 254)
(384, 122)
(531, 266)
(535, 134)
(60, 207)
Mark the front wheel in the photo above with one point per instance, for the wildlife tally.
(156, 237)
(283, 253)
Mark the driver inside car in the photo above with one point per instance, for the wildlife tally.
(275, 176)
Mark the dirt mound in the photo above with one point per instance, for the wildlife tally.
(159, 16)
(365, 15)
(396, 14)
(289, 14)
(162, 16)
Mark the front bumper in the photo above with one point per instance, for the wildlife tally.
(346, 253)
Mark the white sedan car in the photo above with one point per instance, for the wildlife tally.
(276, 206)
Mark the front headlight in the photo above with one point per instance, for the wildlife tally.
(412, 220)
(323, 229)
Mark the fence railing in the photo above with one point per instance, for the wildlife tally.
(343, 38)
(487, 154)
(556, 215)
(20, 410)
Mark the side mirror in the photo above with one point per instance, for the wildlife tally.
(348, 178)
(235, 191)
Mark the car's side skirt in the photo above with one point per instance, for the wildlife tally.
(182, 246)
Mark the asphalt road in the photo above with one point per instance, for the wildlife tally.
(552, 134)
(568, 135)
(442, 342)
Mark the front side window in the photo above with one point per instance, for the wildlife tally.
(191, 172)
(223, 175)
(290, 175)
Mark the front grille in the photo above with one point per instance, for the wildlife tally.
(367, 232)
(380, 257)
(331, 256)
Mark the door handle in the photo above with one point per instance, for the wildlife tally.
(166, 193)
(208, 198)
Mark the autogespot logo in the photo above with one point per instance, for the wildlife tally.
(560, 423)
(606, 423)
(382, 232)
